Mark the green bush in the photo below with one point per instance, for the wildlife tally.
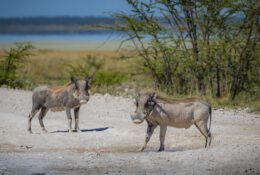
(12, 60)
(109, 78)
(89, 66)
(200, 47)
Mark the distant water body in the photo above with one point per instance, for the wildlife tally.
(66, 36)
(68, 41)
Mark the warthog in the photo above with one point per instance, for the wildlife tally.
(60, 98)
(165, 112)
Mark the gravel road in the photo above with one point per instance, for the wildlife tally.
(109, 140)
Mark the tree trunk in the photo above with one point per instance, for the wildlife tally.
(218, 81)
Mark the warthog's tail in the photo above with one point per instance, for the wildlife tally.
(210, 118)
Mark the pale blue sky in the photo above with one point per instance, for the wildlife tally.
(32, 8)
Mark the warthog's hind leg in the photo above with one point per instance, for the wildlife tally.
(149, 133)
(210, 137)
(76, 115)
(202, 127)
(30, 117)
(42, 114)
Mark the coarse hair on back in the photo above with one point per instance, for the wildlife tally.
(172, 100)
(59, 89)
(163, 99)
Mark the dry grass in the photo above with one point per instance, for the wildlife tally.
(49, 66)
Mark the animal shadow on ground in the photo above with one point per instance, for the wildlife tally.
(166, 150)
(84, 130)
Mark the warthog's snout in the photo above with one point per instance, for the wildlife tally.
(84, 100)
(137, 119)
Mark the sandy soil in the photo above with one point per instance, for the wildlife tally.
(109, 139)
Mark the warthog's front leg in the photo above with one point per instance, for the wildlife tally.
(149, 133)
(163, 129)
(76, 115)
(69, 118)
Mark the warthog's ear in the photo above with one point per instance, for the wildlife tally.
(137, 98)
(89, 79)
(153, 96)
(73, 80)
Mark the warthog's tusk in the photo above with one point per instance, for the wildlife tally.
(137, 121)
(83, 101)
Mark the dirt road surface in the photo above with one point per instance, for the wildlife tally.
(109, 140)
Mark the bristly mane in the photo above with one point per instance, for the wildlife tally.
(59, 89)
(171, 100)
(163, 99)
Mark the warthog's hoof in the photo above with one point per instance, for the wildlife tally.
(45, 131)
(160, 150)
(70, 130)
(78, 130)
